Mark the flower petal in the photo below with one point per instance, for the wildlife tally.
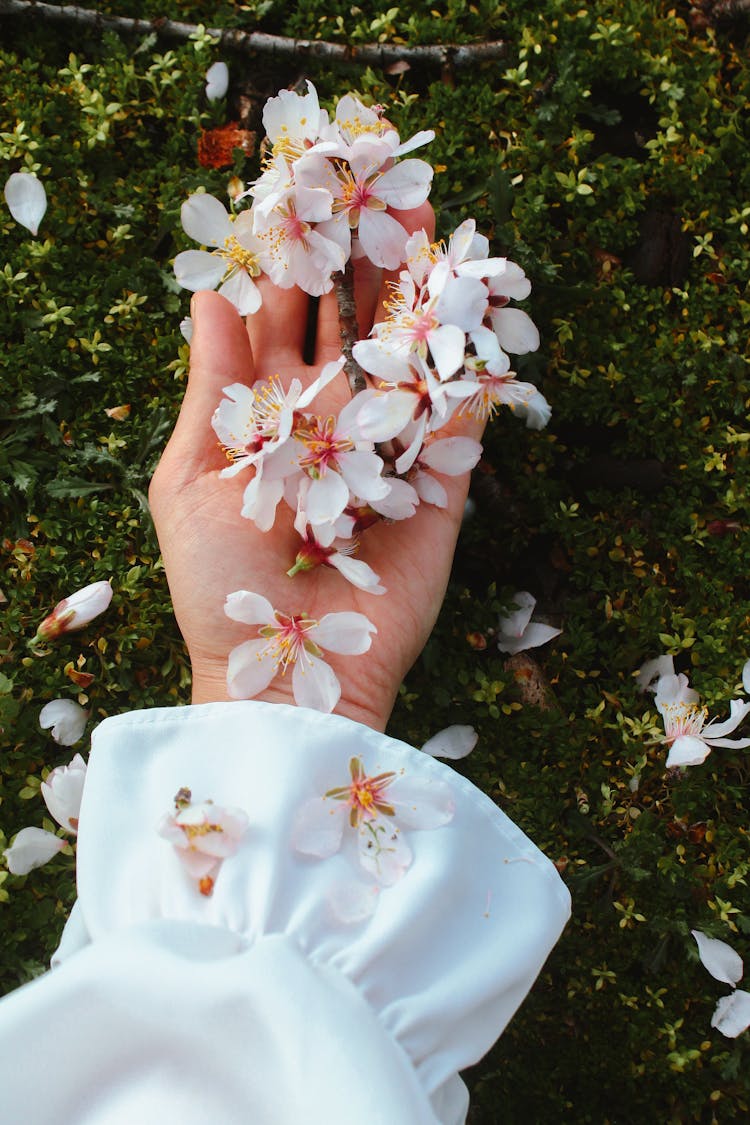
(534, 635)
(315, 685)
(205, 219)
(421, 803)
(451, 456)
(687, 751)
(217, 81)
(198, 269)
(737, 711)
(453, 743)
(382, 237)
(732, 1014)
(249, 671)
(319, 827)
(31, 848)
(63, 793)
(515, 330)
(514, 623)
(746, 676)
(345, 633)
(66, 718)
(722, 962)
(26, 199)
(249, 608)
(242, 291)
(357, 572)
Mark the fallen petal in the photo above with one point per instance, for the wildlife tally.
(32, 847)
(722, 962)
(732, 1014)
(453, 743)
(26, 199)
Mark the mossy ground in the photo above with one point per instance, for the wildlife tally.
(607, 153)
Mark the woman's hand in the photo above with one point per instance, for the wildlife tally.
(209, 550)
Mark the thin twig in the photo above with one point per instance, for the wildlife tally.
(344, 286)
(249, 42)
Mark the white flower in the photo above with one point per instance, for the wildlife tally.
(26, 199)
(452, 743)
(66, 718)
(651, 672)
(238, 257)
(63, 792)
(451, 456)
(732, 1013)
(689, 740)
(75, 611)
(294, 639)
(517, 632)
(32, 847)
(515, 329)
(376, 809)
(203, 835)
(217, 81)
(338, 554)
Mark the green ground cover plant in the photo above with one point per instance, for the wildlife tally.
(606, 153)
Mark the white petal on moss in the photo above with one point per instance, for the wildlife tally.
(217, 81)
(63, 793)
(746, 677)
(453, 743)
(514, 623)
(32, 847)
(687, 751)
(534, 635)
(722, 962)
(26, 199)
(66, 718)
(319, 827)
(732, 1014)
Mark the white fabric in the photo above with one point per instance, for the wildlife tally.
(256, 1004)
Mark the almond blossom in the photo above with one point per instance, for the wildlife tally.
(26, 199)
(376, 809)
(31, 848)
(63, 792)
(66, 718)
(239, 255)
(339, 556)
(75, 611)
(296, 640)
(203, 835)
(689, 740)
(451, 456)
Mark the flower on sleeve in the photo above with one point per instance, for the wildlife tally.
(375, 809)
(203, 835)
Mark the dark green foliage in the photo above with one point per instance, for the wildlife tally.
(608, 155)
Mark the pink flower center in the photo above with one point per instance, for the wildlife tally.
(289, 641)
(683, 719)
(324, 445)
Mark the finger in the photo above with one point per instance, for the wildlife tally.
(277, 330)
(220, 354)
(417, 219)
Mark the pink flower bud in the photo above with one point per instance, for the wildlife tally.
(75, 611)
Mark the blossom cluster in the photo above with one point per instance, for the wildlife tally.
(330, 191)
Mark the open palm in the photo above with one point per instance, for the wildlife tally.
(209, 550)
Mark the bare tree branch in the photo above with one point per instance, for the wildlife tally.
(343, 284)
(249, 42)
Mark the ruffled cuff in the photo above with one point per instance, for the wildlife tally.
(384, 918)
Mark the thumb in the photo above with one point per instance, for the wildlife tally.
(220, 354)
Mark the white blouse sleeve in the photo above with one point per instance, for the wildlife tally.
(319, 978)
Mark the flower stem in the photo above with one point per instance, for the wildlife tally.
(344, 287)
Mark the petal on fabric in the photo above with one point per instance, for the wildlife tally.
(249, 608)
(452, 743)
(242, 291)
(319, 827)
(382, 850)
(421, 803)
(447, 344)
(406, 184)
(217, 81)
(515, 330)
(32, 847)
(732, 1014)
(737, 711)
(315, 685)
(687, 750)
(66, 718)
(452, 456)
(345, 633)
(250, 669)
(357, 572)
(352, 901)
(205, 219)
(198, 269)
(382, 237)
(26, 199)
(652, 671)
(722, 962)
